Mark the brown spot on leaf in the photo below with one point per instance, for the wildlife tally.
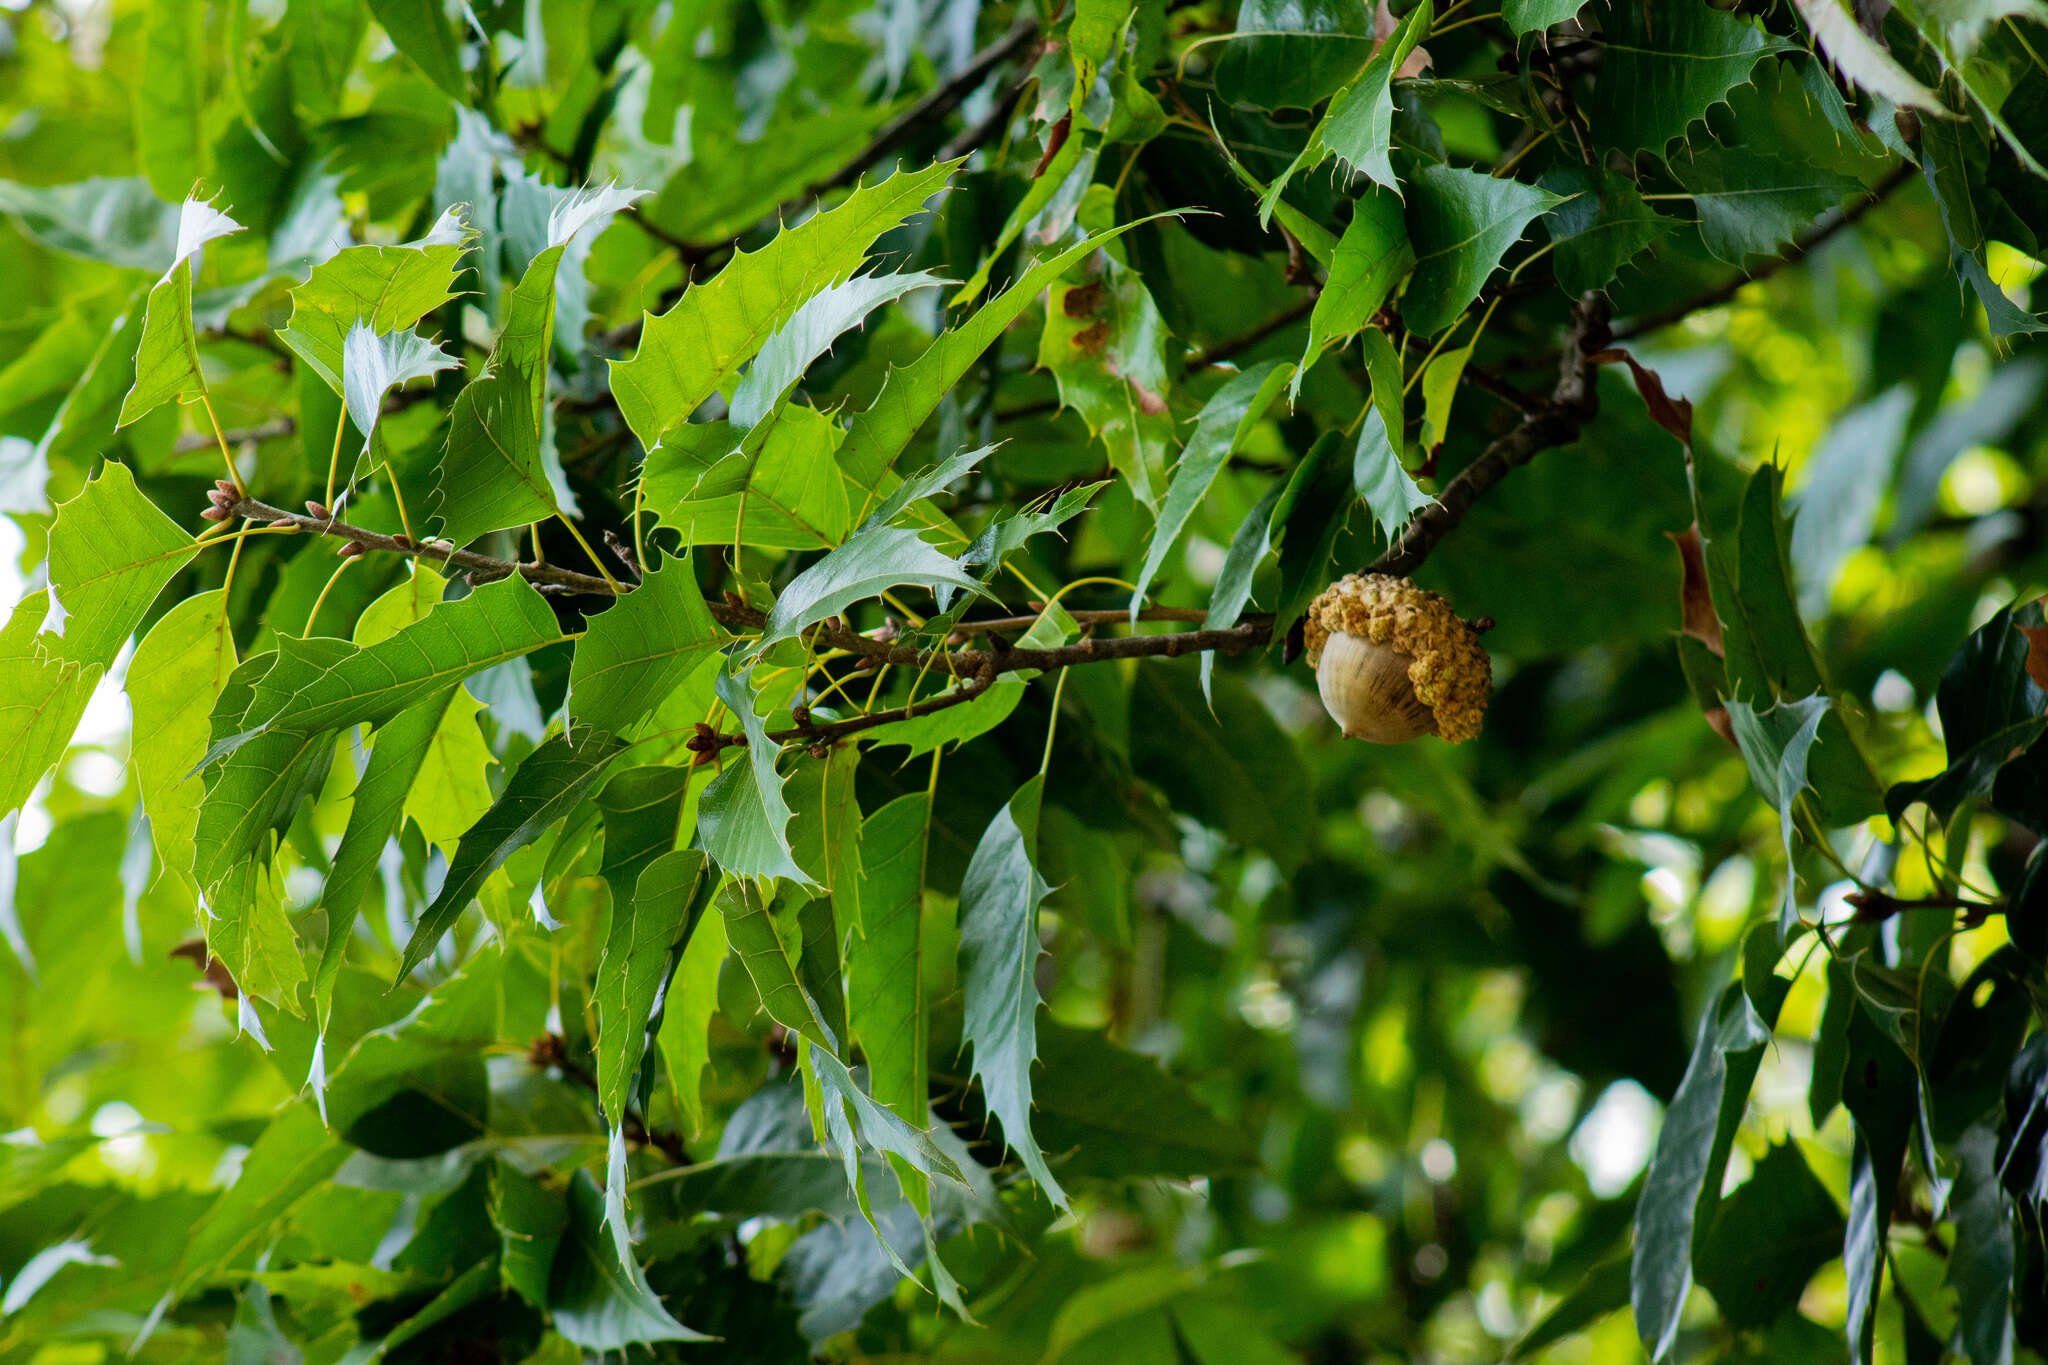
(1091, 340)
(1085, 301)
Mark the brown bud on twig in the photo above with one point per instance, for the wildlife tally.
(291, 522)
(349, 550)
(217, 514)
(318, 509)
(699, 758)
(222, 500)
(801, 715)
(227, 486)
(402, 540)
(819, 750)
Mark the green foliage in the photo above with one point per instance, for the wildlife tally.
(733, 860)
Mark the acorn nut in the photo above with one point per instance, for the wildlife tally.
(1393, 662)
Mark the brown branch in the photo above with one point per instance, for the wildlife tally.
(1572, 404)
(1799, 251)
(1555, 423)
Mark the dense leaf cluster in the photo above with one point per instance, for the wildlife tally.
(618, 578)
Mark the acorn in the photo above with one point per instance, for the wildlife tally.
(1393, 662)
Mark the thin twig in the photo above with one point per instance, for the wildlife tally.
(941, 101)
(1558, 421)
(1799, 251)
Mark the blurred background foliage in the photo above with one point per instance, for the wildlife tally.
(1348, 1053)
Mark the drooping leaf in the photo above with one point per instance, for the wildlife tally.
(1381, 481)
(1863, 58)
(770, 946)
(1775, 744)
(644, 933)
(1990, 709)
(1248, 550)
(167, 359)
(1224, 421)
(1237, 772)
(1359, 124)
(998, 958)
(1683, 1181)
(687, 352)
(1369, 260)
(542, 789)
(1838, 506)
(178, 669)
(1122, 1116)
(885, 959)
(1462, 222)
(314, 691)
(111, 552)
(496, 470)
(1768, 1238)
(247, 930)
(1105, 344)
(686, 1016)
(171, 144)
(599, 1301)
(1981, 1266)
(742, 817)
(1306, 521)
(420, 29)
(635, 653)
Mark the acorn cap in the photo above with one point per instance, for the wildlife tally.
(1445, 665)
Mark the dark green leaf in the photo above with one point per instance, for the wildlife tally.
(541, 790)
(1462, 222)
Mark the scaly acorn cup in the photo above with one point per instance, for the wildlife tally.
(1393, 661)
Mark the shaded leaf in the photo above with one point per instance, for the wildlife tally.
(742, 817)
(998, 955)
(1662, 70)
(1358, 126)
(1600, 225)
(542, 789)
(1775, 744)
(1462, 222)
(597, 1300)
(1222, 423)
